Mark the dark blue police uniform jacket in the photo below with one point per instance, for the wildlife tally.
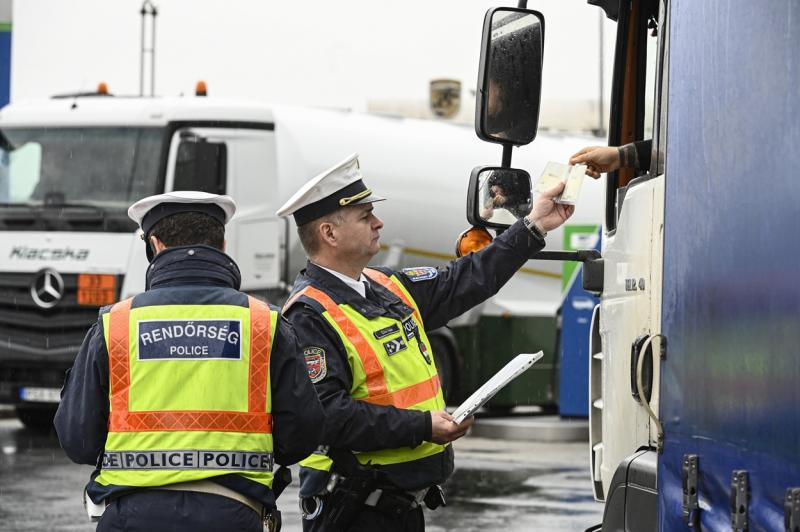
(441, 295)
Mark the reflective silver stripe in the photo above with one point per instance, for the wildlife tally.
(189, 459)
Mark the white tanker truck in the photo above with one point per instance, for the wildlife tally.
(71, 166)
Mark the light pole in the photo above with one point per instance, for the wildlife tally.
(148, 8)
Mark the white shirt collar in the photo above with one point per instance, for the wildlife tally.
(358, 286)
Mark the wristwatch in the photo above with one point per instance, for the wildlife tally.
(533, 228)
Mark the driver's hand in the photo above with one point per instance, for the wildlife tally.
(598, 159)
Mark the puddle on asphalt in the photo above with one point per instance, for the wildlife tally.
(514, 500)
(469, 483)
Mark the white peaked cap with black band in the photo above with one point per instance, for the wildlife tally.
(147, 212)
(339, 186)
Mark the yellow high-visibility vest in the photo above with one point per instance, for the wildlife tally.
(189, 393)
(407, 378)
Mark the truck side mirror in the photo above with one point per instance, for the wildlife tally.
(498, 197)
(510, 76)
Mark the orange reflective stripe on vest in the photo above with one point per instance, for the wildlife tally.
(377, 391)
(118, 341)
(259, 356)
(256, 419)
(384, 280)
(376, 383)
(410, 395)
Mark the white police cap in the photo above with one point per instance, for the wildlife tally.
(337, 187)
(148, 211)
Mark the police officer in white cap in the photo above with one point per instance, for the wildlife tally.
(363, 332)
(185, 396)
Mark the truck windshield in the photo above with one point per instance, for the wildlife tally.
(102, 168)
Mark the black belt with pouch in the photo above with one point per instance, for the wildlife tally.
(351, 495)
(362, 485)
(398, 502)
(434, 498)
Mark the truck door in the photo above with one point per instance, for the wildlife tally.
(239, 162)
(629, 312)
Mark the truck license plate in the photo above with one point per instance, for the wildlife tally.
(40, 395)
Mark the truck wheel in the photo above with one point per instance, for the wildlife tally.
(38, 418)
(443, 356)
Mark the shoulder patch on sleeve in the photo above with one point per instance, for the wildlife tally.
(420, 273)
(315, 363)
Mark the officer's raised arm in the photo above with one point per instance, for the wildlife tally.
(447, 292)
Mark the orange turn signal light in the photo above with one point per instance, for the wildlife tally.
(102, 88)
(200, 89)
(472, 240)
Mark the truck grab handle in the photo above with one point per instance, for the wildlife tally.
(581, 255)
(592, 265)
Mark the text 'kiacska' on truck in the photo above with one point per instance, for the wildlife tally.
(694, 371)
(71, 165)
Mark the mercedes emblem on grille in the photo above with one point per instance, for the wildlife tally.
(47, 288)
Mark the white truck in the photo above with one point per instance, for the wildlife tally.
(71, 166)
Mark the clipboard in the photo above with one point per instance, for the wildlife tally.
(516, 367)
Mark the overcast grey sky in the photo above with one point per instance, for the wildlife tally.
(330, 53)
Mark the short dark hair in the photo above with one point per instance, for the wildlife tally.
(189, 228)
(309, 237)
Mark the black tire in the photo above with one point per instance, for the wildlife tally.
(38, 418)
(445, 362)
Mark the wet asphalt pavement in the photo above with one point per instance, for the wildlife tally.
(498, 485)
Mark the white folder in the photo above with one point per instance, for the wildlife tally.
(516, 367)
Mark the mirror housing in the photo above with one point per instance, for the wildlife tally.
(498, 197)
(510, 76)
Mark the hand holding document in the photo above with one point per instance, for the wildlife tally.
(554, 173)
(444, 429)
(510, 371)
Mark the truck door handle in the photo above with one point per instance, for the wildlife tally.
(647, 368)
(645, 353)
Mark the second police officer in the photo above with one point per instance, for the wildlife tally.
(363, 332)
(185, 395)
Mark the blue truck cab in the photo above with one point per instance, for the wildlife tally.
(694, 365)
